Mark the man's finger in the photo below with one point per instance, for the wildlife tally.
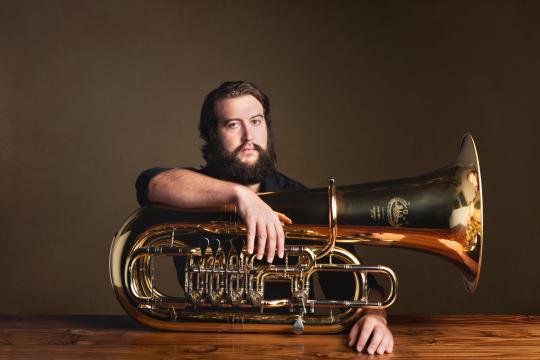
(378, 334)
(250, 233)
(261, 239)
(270, 242)
(284, 218)
(390, 344)
(383, 346)
(365, 332)
(280, 238)
(353, 335)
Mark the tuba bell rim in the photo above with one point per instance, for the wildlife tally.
(468, 154)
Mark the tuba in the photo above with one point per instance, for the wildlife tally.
(224, 287)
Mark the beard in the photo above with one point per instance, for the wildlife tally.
(226, 166)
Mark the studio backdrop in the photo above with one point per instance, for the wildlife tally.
(93, 92)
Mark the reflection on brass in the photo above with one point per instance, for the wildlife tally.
(438, 213)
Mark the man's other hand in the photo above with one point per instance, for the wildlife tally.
(371, 325)
(262, 223)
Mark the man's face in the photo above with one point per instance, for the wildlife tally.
(241, 125)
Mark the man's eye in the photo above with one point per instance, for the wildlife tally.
(232, 125)
(256, 121)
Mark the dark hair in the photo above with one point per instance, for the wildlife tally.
(229, 89)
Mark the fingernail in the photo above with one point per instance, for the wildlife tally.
(270, 260)
(281, 254)
(371, 350)
(250, 251)
(259, 257)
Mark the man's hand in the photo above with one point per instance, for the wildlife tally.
(371, 324)
(262, 222)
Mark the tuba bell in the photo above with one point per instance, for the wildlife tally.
(224, 287)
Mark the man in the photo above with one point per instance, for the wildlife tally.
(240, 159)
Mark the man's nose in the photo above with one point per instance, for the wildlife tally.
(247, 133)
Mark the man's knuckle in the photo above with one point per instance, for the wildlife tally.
(369, 321)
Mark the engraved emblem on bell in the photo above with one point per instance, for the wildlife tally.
(397, 211)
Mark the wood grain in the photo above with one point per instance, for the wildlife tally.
(118, 337)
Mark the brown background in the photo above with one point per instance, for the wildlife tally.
(92, 92)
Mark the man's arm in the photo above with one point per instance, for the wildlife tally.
(187, 189)
(372, 324)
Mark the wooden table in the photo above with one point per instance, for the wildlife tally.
(118, 337)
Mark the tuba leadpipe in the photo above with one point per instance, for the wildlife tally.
(224, 287)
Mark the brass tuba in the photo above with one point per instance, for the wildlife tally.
(224, 287)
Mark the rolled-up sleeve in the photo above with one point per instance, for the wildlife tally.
(141, 185)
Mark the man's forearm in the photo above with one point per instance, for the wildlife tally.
(183, 188)
(375, 295)
(187, 189)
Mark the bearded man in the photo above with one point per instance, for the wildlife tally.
(236, 127)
